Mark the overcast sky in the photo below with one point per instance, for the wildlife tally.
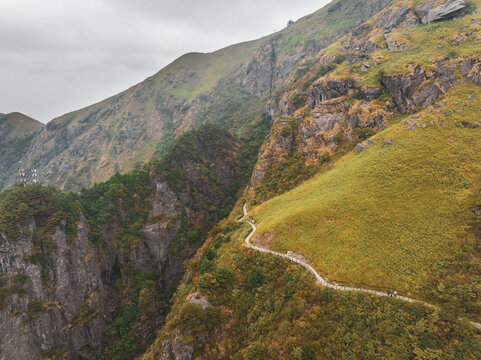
(57, 56)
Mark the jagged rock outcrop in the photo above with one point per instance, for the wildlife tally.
(327, 89)
(393, 18)
(418, 87)
(471, 69)
(176, 349)
(270, 113)
(447, 10)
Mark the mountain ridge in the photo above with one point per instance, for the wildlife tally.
(363, 153)
(123, 132)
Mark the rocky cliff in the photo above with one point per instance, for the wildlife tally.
(91, 275)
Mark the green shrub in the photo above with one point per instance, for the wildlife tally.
(206, 264)
(224, 277)
(299, 100)
(255, 278)
(34, 307)
(53, 353)
(325, 157)
(256, 352)
(193, 317)
(219, 240)
(19, 279)
(35, 258)
(193, 236)
(363, 133)
(286, 131)
(339, 59)
(79, 317)
(207, 282)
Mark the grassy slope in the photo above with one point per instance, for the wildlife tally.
(188, 76)
(208, 68)
(265, 307)
(385, 217)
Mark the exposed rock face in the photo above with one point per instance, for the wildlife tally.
(449, 9)
(418, 87)
(392, 19)
(327, 89)
(78, 277)
(270, 113)
(471, 69)
(325, 121)
(367, 93)
(176, 350)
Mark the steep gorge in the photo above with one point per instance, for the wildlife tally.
(91, 275)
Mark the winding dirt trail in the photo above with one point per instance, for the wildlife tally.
(321, 280)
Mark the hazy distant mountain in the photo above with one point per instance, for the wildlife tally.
(16, 133)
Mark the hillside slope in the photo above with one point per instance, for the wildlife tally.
(17, 131)
(393, 132)
(227, 87)
(371, 174)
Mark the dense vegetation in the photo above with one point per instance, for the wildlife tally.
(119, 205)
(48, 207)
(266, 308)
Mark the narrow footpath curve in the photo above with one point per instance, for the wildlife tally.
(319, 279)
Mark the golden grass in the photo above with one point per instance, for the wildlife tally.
(384, 217)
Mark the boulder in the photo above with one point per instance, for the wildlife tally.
(471, 69)
(448, 10)
(365, 67)
(365, 145)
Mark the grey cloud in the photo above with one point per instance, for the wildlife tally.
(57, 56)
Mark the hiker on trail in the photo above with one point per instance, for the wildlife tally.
(395, 293)
(389, 293)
